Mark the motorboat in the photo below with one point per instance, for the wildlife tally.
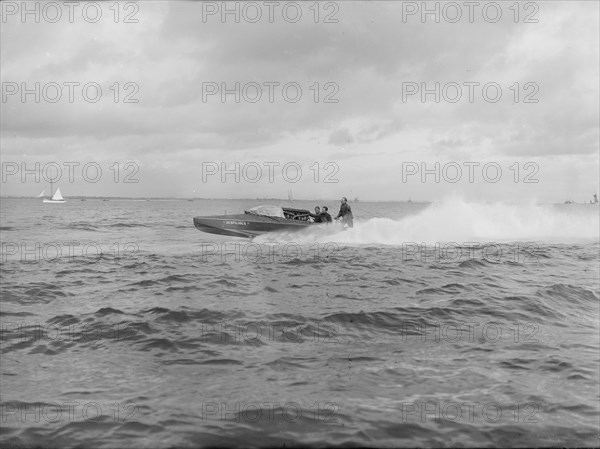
(255, 221)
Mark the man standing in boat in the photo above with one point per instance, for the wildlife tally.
(345, 213)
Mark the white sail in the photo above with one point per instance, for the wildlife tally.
(41, 194)
(57, 195)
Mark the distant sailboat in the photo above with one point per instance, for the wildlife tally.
(41, 195)
(56, 198)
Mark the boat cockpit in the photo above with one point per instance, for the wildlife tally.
(296, 214)
(280, 212)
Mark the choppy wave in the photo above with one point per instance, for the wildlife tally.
(170, 346)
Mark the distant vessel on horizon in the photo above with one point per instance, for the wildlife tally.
(593, 201)
(56, 198)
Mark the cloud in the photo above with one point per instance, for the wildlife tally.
(341, 137)
(352, 75)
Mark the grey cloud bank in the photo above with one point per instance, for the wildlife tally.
(369, 57)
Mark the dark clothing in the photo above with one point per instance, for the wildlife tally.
(344, 211)
(318, 217)
(345, 214)
(325, 217)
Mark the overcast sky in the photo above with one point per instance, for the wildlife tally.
(359, 117)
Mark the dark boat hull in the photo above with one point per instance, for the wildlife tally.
(247, 225)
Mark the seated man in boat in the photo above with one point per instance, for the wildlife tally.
(317, 215)
(345, 213)
(325, 217)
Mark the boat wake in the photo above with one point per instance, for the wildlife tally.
(458, 220)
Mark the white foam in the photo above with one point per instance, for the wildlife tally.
(457, 220)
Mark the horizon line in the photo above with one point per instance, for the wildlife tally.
(210, 199)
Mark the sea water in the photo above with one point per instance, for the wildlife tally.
(427, 324)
